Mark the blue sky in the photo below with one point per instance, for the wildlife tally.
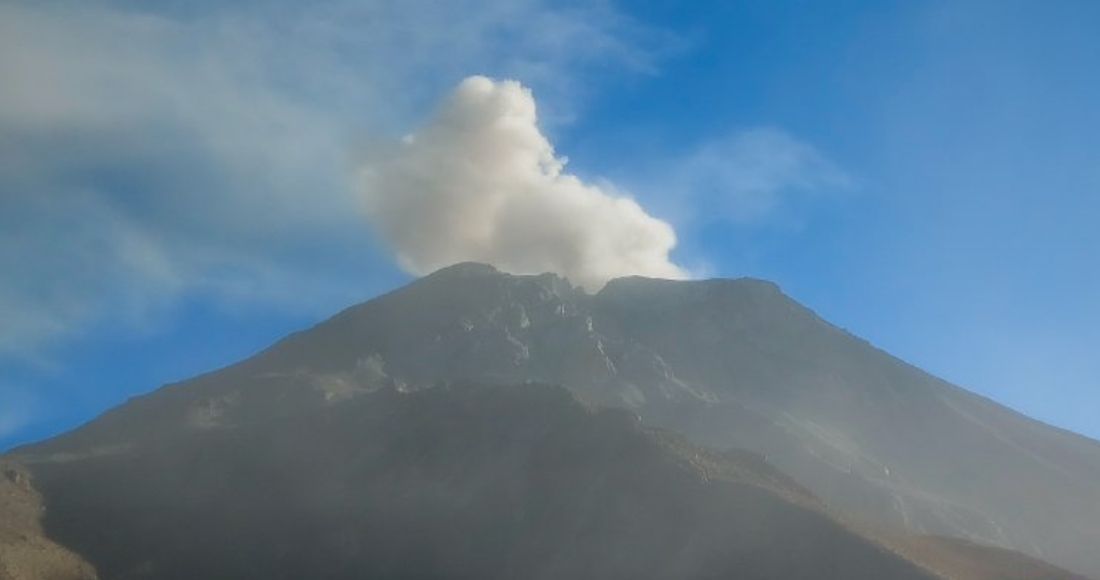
(178, 181)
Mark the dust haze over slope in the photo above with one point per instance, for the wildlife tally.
(454, 481)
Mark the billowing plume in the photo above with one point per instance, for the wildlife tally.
(480, 182)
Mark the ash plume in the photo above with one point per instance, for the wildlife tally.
(480, 182)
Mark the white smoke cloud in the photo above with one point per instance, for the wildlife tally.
(480, 182)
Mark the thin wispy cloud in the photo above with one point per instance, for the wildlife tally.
(147, 155)
(751, 177)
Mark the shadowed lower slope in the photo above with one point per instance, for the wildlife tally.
(449, 482)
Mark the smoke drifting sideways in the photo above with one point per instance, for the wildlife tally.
(480, 182)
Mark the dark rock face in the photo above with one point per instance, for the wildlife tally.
(457, 481)
(728, 363)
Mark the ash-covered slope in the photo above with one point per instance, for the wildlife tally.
(729, 363)
(457, 481)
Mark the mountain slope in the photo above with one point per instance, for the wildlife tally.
(729, 363)
(26, 553)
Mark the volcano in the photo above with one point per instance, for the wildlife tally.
(478, 424)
